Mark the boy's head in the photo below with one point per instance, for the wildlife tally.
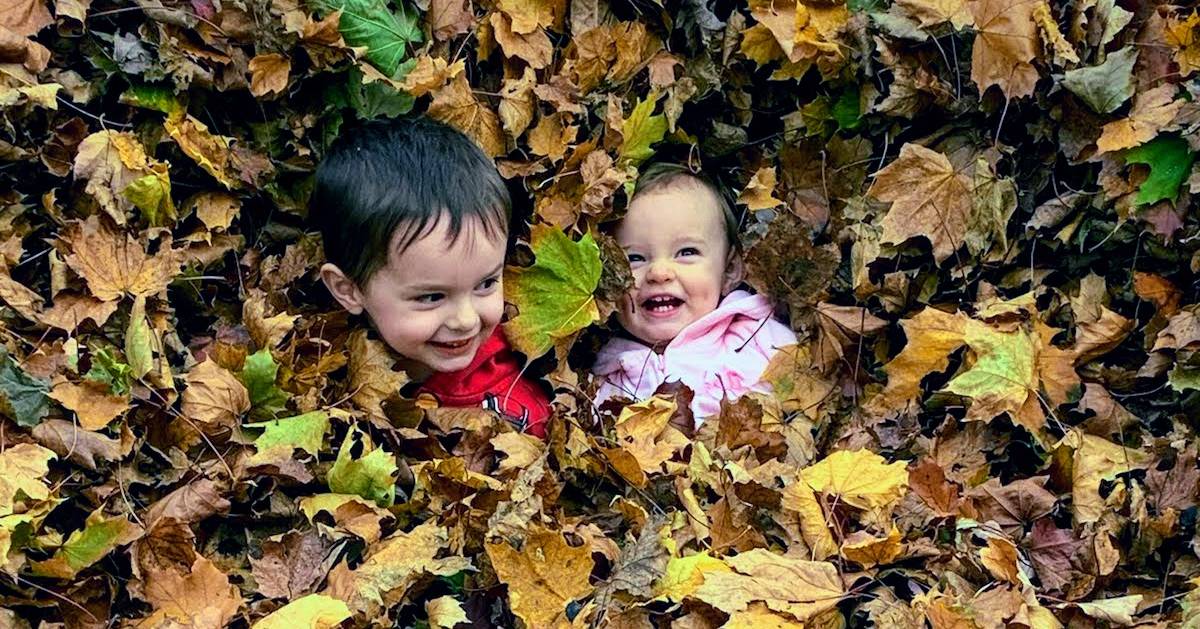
(680, 234)
(414, 219)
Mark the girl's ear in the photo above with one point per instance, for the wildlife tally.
(734, 272)
(343, 289)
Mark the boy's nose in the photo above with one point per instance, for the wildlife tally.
(464, 316)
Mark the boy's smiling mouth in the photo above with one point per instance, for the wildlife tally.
(452, 348)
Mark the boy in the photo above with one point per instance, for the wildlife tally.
(414, 219)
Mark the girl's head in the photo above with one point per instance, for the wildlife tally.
(680, 234)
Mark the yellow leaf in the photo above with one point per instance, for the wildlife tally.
(430, 74)
(517, 103)
(795, 382)
(202, 598)
(456, 105)
(1006, 44)
(869, 550)
(520, 449)
(759, 194)
(1096, 460)
(643, 430)
(533, 47)
(1064, 53)
(91, 402)
(1000, 559)
(796, 587)
(110, 161)
(1184, 36)
(930, 199)
(23, 469)
(934, 12)
(114, 264)
(1152, 110)
(543, 577)
(529, 15)
(758, 616)
(859, 478)
(932, 336)
(269, 74)
(209, 151)
(685, 574)
(214, 397)
(392, 566)
(760, 46)
(445, 612)
(371, 374)
(814, 525)
(315, 611)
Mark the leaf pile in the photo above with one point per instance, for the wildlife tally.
(977, 214)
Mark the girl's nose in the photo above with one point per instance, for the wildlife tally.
(660, 272)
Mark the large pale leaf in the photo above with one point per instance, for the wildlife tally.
(554, 296)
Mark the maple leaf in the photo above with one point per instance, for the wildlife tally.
(315, 611)
(543, 577)
(759, 194)
(1184, 36)
(930, 199)
(859, 478)
(934, 12)
(1006, 43)
(85, 547)
(23, 469)
(202, 598)
(801, 589)
(456, 105)
(214, 397)
(1096, 459)
(114, 264)
(364, 470)
(1152, 112)
(554, 296)
(392, 566)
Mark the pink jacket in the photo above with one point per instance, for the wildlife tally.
(721, 354)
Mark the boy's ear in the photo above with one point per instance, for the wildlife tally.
(343, 289)
(735, 271)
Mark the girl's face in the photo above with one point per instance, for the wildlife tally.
(680, 257)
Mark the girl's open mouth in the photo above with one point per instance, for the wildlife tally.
(662, 305)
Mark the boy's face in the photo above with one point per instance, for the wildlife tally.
(680, 258)
(437, 301)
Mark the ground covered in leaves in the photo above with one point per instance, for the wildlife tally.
(976, 214)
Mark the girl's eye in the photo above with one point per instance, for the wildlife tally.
(636, 257)
(689, 251)
(430, 298)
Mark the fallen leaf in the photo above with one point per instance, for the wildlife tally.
(202, 598)
(1006, 43)
(456, 105)
(315, 611)
(930, 199)
(114, 264)
(554, 296)
(543, 577)
(801, 589)
(859, 478)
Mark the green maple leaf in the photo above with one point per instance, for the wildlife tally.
(363, 470)
(1169, 159)
(23, 398)
(266, 399)
(306, 432)
(554, 296)
(98, 538)
(387, 35)
(640, 131)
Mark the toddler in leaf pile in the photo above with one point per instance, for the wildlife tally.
(415, 219)
(683, 320)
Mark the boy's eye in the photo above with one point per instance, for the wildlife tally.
(489, 283)
(430, 298)
(689, 251)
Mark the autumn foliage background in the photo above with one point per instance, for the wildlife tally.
(977, 216)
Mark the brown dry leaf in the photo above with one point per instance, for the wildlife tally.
(533, 48)
(795, 587)
(551, 137)
(930, 199)
(19, 297)
(202, 598)
(1006, 44)
(265, 331)
(456, 105)
(1159, 291)
(932, 336)
(371, 376)
(644, 430)
(215, 209)
(292, 565)
(636, 46)
(114, 264)
(214, 398)
(517, 103)
(269, 74)
(450, 18)
(934, 12)
(543, 577)
(520, 450)
(83, 447)
(25, 17)
(759, 194)
(70, 310)
(1152, 112)
(430, 74)
(93, 404)
(110, 161)
(191, 503)
(529, 15)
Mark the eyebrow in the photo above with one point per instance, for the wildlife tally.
(438, 287)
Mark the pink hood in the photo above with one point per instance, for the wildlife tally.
(721, 354)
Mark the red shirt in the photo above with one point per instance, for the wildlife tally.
(493, 380)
